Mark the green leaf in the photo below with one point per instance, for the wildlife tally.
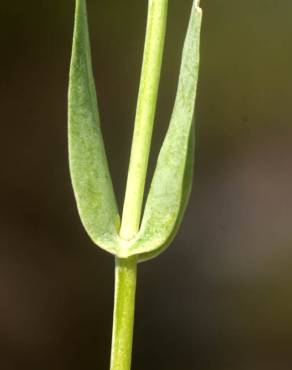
(172, 178)
(88, 164)
(187, 187)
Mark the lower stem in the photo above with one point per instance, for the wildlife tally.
(124, 308)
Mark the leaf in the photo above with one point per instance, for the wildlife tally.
(88, 163)
(172, 178)
(187, 187)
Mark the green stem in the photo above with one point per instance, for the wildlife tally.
(126, 269)
(125, 288)
(145, 114)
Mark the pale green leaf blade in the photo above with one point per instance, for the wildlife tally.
(88, 164)
(169, 188)
(187, 187)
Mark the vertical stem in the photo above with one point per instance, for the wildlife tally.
(146, 108)
(126, 269)
(126, 272)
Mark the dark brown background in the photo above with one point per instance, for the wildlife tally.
(220, 297)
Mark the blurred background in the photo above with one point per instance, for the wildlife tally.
(220, 298)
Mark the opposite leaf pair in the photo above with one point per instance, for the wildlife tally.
(172, 180)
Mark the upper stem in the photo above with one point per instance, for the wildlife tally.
(145, 114)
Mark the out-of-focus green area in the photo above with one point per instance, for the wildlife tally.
(220, 297)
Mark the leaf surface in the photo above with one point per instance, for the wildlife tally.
(89, 170)
(187, 187)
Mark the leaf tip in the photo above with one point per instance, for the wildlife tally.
(197, 5)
